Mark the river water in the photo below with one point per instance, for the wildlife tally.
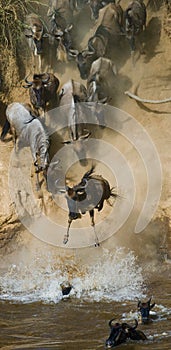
(34, 315)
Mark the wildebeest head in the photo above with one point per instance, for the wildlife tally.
(74, 196)
(97, 5)
(37, 89)
(35, 32)
(117, 335)
(84, 60)
(42, 89)
(120, 332)
(132, 332)
(144, 309)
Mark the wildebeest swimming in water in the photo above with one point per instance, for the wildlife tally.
(88, 195)
(144, 310)
(120, 332)
(30, 132)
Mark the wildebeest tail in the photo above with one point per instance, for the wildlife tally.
(5, 129)
(113, 193)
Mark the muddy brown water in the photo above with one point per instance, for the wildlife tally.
(80, 324)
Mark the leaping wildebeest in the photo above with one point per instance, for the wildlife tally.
(101, 79)
(43, 90)
(36, 35)
(135, 22)
(30, 133)
(88, 195)
(111, 26)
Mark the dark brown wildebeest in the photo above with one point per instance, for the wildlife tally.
(88, 195)
(144, 309)
(60, 15)
(36, 35)
(101, 79)
(135, 22)
(120, 332)
(97, 5)
(42, 90)
(110, 27)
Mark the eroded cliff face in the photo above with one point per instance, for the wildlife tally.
(151, 75)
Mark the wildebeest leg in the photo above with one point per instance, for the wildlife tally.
(39, 63)
(66, 237)
(91, 212)
(37, 181)
(132, 44)
(36, 170)
(100, 205)
(5, 129)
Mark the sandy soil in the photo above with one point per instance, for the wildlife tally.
(150, 78)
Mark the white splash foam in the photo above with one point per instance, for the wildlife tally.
(114, 276)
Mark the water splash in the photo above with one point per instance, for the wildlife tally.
(114, 276)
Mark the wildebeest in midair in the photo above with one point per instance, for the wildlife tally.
(135, 22)
(43, 90)
(109, 28)
(36, 35)
(88, 195)
(120, 332)
(30, 133)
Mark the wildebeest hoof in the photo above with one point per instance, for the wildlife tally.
(65, 239)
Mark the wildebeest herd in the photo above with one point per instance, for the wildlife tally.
(25, 120)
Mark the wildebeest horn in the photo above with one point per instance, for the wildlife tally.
(28, 82)
(44, 81)
(149, 301)
(73, 53)
(68, 28)
(136, 324)
(103, 100)
(83, 186)
(87, 53)
(86, 136)
(111, 321)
